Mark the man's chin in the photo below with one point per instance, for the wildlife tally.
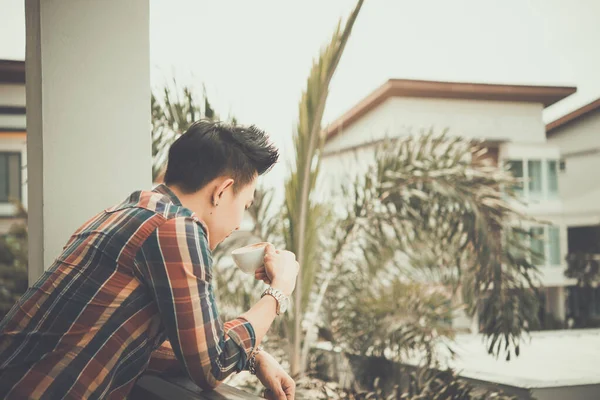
(214, 246)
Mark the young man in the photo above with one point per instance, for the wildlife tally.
(132, 288)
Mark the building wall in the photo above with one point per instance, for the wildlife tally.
(12, 122)
(13, 139)
(491, 120)
(579, 143)
(15, 142)
(12, 94)
(518, 127)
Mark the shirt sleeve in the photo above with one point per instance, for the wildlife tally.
(176, 263)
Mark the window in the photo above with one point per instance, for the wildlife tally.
(534, 175)
(545, 246)
(538, 246)
(10, 177)
(583, 303)
(554, 245)
(516, 168)
(552, 177)
(540, 178)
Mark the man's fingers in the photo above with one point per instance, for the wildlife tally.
(269, 395)
(269, 249)
(259, 275)
(262, 277)
(275, 394)
(289, 387)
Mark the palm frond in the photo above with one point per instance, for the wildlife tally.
(431, 210)
(301, 213)
(396, 320)
(172, 114)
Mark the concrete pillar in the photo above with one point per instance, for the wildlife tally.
(561, 299)
(88, 114)
(555, 302)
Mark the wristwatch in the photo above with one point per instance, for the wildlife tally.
(282, 299)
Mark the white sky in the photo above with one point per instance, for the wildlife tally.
(254, 56)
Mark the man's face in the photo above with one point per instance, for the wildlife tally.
(228, 215)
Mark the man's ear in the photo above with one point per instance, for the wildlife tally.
(220, 189)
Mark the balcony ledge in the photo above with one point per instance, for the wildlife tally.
(152, 387)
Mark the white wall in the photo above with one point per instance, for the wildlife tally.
(579, 184)
(518, 125)
(339, 169)
(12, 121)
(492, 120)
(12, 94)
(88, 119)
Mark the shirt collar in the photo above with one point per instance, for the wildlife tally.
(164, 189)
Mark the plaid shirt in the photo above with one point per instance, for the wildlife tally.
(130, 292)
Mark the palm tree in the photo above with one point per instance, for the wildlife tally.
(302, 214)
(13, 261)
(429, 219)
(172, 114)
(426, 383)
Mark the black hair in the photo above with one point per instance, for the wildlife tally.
(209, 149)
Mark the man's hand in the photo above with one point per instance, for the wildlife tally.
(280, 270)
(279, 385)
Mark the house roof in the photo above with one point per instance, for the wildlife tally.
(12, 71)
(572, 116)
(547, 95)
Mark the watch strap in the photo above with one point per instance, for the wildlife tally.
(278, 295)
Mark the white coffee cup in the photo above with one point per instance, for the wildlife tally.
(250, 258)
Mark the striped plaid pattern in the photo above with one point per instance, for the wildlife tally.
(131, 291)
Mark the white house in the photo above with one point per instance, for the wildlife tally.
(577, 136)
(13, 155)
(507, 117)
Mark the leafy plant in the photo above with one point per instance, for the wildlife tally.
(172, 114)
(431, 384)
(303, 216)
(13, 263)
(584, 267)
(431, 219)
